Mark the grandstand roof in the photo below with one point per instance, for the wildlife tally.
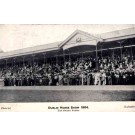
(30, 50)
(118, 35)
(75, 39)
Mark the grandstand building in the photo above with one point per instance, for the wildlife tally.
(78, 42)
(78, 45)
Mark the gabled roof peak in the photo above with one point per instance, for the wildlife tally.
(77, 31)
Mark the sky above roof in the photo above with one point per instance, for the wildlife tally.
(13, 37)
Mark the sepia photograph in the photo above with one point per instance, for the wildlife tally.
(67, 63)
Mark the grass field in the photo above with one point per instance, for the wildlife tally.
(66, 94)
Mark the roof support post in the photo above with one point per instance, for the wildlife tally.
(33, 58)
(13, 61)
(101, 50)
(69, 55)
(82, 56)
(56, 59)
(96, 55)
(19, 64)
(132, 55)
(64, 58)
(6, 63)
(44, 57)
(113, 55)
(120, 43)
(121, 50)
(82, 69)
(37, 60)
(23, 60)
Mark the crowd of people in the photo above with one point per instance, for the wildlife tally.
(86, 71)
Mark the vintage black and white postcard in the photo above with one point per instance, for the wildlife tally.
(67, 68)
